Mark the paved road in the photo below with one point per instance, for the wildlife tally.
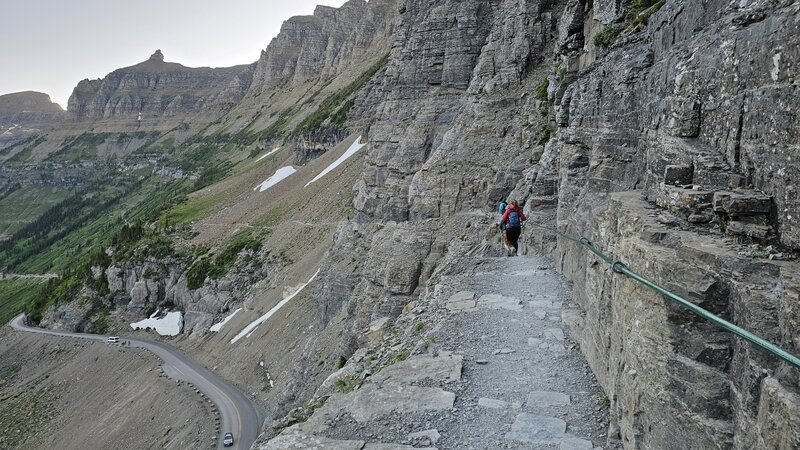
(239, 416)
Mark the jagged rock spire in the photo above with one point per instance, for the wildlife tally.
(157, 56)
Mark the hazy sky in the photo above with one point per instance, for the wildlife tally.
(50, 45)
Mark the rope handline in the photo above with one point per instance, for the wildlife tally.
(619, 267)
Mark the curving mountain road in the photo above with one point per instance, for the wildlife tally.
(239, 416)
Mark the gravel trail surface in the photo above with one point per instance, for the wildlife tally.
(481, 361)
(524, 382)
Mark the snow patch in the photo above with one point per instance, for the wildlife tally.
(248, 330)
(169, 325)
(268, 153)
(279, 176)
(776, 67)
(218, 326)
(357, 145)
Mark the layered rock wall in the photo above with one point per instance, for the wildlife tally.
(324, 44)
(156, 90)
(24, 115)
(28, 107)
(666, 370)
(456, 126)
(675, 152)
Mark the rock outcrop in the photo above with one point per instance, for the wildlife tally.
(690, 113)
(324, 44)
(456, 124)
(136, 289)
(675, 152)
(29, 107)
(156, 89)
(24, 115)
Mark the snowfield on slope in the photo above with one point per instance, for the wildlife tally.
(357, 145)
(248, 330)
(169, 325)
(280, 175)
(218, 326)
(267, 154)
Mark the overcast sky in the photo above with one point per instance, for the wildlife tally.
(50, 45)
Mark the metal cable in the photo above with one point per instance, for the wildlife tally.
(619, 267)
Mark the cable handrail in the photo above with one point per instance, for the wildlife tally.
(619, 267)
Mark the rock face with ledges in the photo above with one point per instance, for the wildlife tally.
(158, 89)
(693, 113)
(24, 115)
(455, 124)
(323, 44)
(27, 107)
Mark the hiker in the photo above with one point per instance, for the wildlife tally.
(501, 209)
(512, 227)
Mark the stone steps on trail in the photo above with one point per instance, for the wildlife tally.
(392, 391)
(512, 381)
(544, 430)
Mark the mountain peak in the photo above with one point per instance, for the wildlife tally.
(157, 56)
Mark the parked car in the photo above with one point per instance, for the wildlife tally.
(113, 339)
(227, 440)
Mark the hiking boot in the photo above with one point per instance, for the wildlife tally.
(513, 252)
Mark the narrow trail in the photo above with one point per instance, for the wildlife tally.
(524, 383)
(499, 372)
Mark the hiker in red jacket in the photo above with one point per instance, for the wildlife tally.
(512, 226)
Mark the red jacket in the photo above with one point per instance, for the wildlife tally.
(509, 210)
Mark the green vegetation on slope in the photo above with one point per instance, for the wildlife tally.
(190, 210)
(26, 153)
(15, 294)
(205, 267)
(24, 204)
(607, 36)
(7, 151)
(85, 146)
(139, 214)
(69, 230)
(337, 106)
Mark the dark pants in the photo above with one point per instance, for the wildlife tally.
(512, 234)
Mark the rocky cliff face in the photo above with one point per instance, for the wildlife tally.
(456, 126)
(27, 107)
(673, 149)
(158, 90)
(675, 152)
(324, 44)
(24, 114)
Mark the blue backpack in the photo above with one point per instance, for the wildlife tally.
(501, 208)
(513, 220)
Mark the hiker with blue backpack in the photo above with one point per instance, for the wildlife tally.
(511, 224)
(501, 209)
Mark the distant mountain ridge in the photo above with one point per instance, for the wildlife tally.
(22, 108)
(158, 88)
